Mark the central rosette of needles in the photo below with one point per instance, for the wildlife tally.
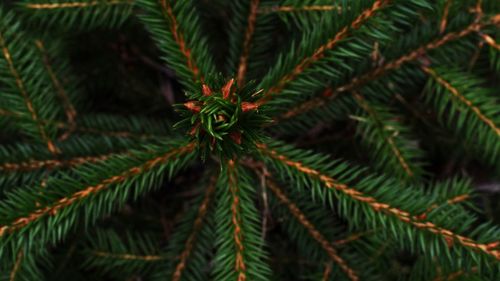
(222, 117)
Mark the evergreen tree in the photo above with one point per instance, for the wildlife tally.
(249, 140)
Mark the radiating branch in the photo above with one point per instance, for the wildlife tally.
(179, 38)
(358, 81)
(293, 9)
(376, 206)
(240, 266)
(389, 138)
(76, 197)
(198, 223)
(51, 164)
(320, 52)
(81, 129)
(243, 64)
(69, 109)
(24, 93)
(315, 234)
(149, 258)
(75, 4)
(454, 91)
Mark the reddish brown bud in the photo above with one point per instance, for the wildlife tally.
(206, 90)
(226, 89)
(193, 106)
(247, 106)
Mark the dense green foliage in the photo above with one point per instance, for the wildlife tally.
(249, 140)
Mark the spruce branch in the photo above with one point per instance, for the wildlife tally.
(69, 109)
(319, 53)
(22, 265)
(470, 104)
(128, 250)
(454, 91)
(293, 166)
(68, 14)
(135, 127)
(20, 83)
(325, 244)
(240, 251)
(294, 9)
(74, 4)
(59, 208)
(304, 15)
(179, 38)
(176, 28)
(198, 223)
(243, 62)
(358, 81)
(240, 266)
(148, 258)
(250, 40)
(50, 164)
(393, 140)
(310, 227)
